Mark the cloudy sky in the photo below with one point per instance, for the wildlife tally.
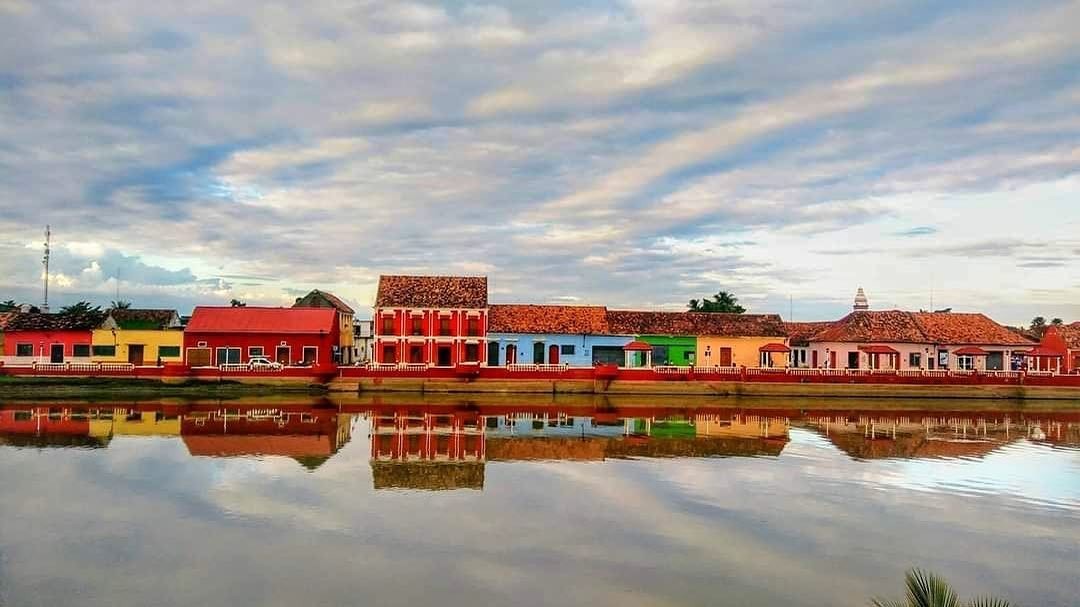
(631, 153)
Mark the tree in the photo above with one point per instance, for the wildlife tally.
(925, 589)
(723, 301)
(8, 306)
(80, 309)
(236, 303)
(120, 305)
(1057, 322)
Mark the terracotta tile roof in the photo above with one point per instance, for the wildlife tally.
(432, 292)
(629, 322)
(322, 299)
(208, 319)
(1071, 335)
(54, 322)
(132, 319)
(961, 328)
(568, 320)
(896, 326)
(799, 333)
(5, 317)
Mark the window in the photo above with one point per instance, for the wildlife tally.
(472, 353)
(387, 325)
(24, 349)
(444, 325)
(228, 356)
(253, 351)
(81, 351)
(416, 354)
(943, 359)
(168, 351)
(689, 356)
(416, 325)
(966, 363)
(106, 350)
(311, 355)
(472, 326)
(566, 350)
(389, 354)
(914, 360)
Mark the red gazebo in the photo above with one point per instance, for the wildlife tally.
(765, 353)
(637, 346)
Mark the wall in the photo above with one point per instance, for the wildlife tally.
(429, 338)
(583, 345)
(678, 348)
(152, 340)
(924, 350)
(745, 351)
(42, 342)
(269, 341)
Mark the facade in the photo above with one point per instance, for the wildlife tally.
(321, 299)
(577, 336)
(139, 337)
(432, 320)
(291, 336)
(49, 338)
(706, 339)
(896, 339)
(1058, 350)
(799, 334)
(4, 318)
(363, 341)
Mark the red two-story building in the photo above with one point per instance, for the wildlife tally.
(291, 336)
(433, 320)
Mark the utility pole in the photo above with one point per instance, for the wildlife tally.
(45, 262)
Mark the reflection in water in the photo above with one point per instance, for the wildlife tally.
(269, 502)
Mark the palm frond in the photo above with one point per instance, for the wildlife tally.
(926, 589)
(887, 603)
(989, 601)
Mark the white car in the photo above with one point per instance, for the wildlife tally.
(261, 362)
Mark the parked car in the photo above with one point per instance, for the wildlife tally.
(261, 362)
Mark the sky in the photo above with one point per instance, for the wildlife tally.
(632, 154)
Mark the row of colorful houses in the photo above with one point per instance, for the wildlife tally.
(447, 321)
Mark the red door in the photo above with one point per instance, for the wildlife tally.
(813, 359)
(832, 360)
(553, 355)
(511, 354)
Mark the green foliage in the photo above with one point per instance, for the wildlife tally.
(236, 303)
(80, 309)
(723, 302)
(926, 589)
(120, 305)
(8, 306)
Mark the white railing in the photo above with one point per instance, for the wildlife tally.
(1004, 374)
(672, 370)
(531, 368)
(397, 367)
(83, 367)
(718, 370)
(1041, 373)
(803, 372)
(116, 366)
(49, 366)
(766, 371)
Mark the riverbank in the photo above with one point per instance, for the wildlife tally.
(105, 388)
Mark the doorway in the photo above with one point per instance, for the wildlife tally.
(852, 360)
(725, 357)
(311, 355)
(511, 354)
(538, 353)
(445, 356)
(553, 355)
(56, 353)
(493, 354)
(282, 355)
(135, 354)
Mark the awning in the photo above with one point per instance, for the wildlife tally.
(971, 351)
(774, 348)
(878, 349)
(637, 346)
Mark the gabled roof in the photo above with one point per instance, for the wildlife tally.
(799, 333)
(210, 319)
(145, 319)
(5, 317)
(54, 322)
(322, 299)
(569, 320)
(967, 329)
(1071, 335)
(432, 292)
(629, 322)
(897, 326)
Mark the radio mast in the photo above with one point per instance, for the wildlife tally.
(45, 262)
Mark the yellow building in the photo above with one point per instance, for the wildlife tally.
(140, 337)
(742, 340)
(321, 299)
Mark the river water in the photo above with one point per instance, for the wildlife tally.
(407, 500)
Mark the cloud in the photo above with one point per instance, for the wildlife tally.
(552, 149)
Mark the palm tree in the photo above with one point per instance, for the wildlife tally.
(1057, 322)
(236, 303)
(723, 301)
(120, 305)
(8, 306)
(926, 589)
(78, 309)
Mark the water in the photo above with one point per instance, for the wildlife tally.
(527, 501)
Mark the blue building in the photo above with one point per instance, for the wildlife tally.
(572, 335)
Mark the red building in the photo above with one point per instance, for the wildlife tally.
(432, 320)
(291, 336)
(53, 338)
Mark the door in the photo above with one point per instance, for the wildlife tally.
(56, 353)
(853, 360)
(553, 355)
(832, 359)
(538, 353)
(282, 355)
(493, 354)
(311, 355)
(511, 354)
(725, 357)
(813, 359)
(135, 354)
(445, 358)
(659, 355)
